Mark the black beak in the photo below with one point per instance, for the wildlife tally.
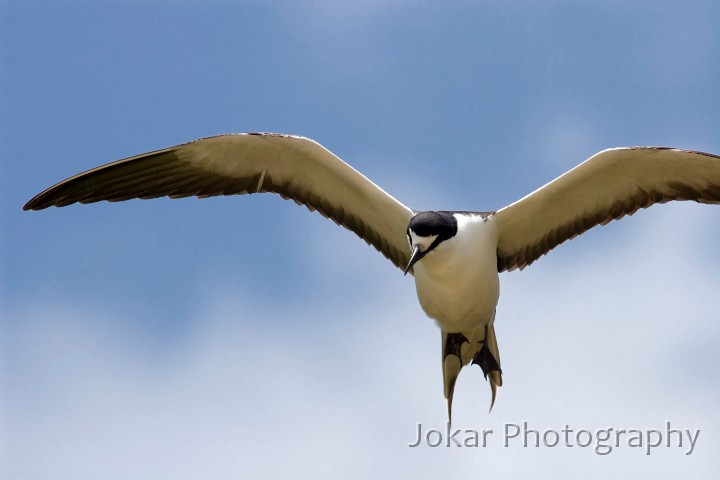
(416, 255)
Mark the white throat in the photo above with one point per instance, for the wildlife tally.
(422, 242)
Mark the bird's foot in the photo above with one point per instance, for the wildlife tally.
(489, 365)
(486, 360)
(453, 345)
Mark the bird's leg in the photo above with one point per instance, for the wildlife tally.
(453, 345)
(485, 358)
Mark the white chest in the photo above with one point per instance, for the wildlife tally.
(457, 283)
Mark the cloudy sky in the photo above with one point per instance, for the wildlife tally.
(248, 338)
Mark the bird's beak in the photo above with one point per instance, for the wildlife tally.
(416, 255)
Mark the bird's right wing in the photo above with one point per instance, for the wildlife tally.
(608, 186)
(294, 167)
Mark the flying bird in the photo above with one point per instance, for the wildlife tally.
(454, 256)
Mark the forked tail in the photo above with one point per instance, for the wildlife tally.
(459, 349)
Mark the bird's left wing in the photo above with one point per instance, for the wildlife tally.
(608, 186)
(294, 167)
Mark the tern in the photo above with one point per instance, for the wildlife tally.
(454, 256)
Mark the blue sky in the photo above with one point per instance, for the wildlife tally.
(247, 338)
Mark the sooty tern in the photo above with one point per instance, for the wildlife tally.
(455, 257)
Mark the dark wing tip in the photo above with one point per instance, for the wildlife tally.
(37, 202)
(61, 194)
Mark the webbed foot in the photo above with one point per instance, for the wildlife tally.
(489, 365)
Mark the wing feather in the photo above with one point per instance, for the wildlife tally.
(296, 168)
(606, 187)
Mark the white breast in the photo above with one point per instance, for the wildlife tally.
(457, 283)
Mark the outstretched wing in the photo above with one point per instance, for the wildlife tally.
(608, 186)
(294, 167)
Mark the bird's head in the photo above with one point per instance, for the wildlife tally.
(426, 231)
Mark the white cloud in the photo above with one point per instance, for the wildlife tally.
(593, 339)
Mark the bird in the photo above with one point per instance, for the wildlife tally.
(455, 257)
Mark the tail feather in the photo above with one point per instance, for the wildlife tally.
(451, 370)
(452, 365)
(494, 376)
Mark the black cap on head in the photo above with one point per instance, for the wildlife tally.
(441, 225)
(427, 224)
